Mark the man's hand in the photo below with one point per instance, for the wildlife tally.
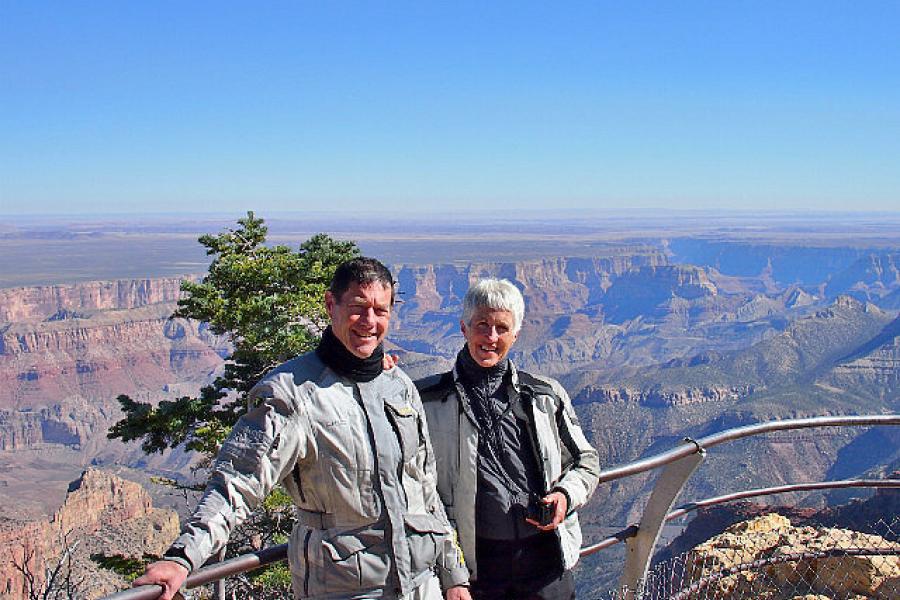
(459, 592)
(560, 507)
(169, 574)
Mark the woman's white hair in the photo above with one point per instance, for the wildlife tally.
(496, 294)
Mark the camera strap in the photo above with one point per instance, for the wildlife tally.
(488, 424)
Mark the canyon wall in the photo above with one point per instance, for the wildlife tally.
(67, 352)
(104, 514)
(56, 301)
(660, 397)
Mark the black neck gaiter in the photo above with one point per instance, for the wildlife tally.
(480, 382)
(340, 360)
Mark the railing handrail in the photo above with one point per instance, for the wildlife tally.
(630, 531)
(253, 560)
(212, 572)
(782, 489)
(669, 456)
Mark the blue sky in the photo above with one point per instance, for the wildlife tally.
(112, 106)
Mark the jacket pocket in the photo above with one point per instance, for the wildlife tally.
(338, 564)
(354, 562)
(405, 421)
(320, 566)
(425, 534)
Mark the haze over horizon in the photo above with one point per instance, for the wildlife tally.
(191, 108)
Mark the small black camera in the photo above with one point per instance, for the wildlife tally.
(541, 513)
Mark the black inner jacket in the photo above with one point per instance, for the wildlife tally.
(509, 477)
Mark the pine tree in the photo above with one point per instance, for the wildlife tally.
(268, 300)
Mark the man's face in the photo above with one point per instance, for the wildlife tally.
(489, 335)
(360, 318)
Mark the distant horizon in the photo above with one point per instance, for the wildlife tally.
(518, 215)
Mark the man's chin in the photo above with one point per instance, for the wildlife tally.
(363, 351)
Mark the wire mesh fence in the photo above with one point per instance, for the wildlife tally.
(768, 558)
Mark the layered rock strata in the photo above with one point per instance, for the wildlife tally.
(59, 301)
(102, 514)
(660, 397)
(71, 350)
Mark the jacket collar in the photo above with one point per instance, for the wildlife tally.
(515, 384)
(513, 376)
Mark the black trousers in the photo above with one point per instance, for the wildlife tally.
(529, 569)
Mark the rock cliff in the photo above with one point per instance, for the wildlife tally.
(557, 285)
(783, 561)
(103, 514)
(871, 277)
(575, 307)
(75, 348)
(663, 397)
(59, 301)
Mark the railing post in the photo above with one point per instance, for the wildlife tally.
(640, 547)
(220, 584)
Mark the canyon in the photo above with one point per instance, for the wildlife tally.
(101, 514)
(651, 346)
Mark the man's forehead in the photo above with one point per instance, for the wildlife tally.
(374, 291)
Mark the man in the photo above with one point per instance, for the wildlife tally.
(513, 464)
(349, 443)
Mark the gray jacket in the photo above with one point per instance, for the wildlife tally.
(568, 462)
(356, 460)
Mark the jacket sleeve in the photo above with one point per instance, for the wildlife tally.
(451, 566)
(260, 450)
(580, 461)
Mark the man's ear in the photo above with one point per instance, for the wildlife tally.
(462, 327)
(329, 303)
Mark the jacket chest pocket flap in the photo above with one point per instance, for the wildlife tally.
(405, 420)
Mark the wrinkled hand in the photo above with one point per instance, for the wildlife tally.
(560, 508)
(459, 592)
(170, 575)
(389, 361)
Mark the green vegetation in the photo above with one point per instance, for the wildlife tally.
(269, 301)
(127, 567)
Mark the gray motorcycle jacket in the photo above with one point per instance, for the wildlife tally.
(567, 460)
(356, 459)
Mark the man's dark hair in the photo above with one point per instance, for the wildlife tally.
(361, 271)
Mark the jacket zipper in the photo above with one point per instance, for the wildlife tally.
(306, 561)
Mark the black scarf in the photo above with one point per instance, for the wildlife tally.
(340, 360)
(480, 382)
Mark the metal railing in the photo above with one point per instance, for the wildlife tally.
(629, 532)
(678, 465)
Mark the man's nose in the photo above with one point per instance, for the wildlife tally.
(368, 315)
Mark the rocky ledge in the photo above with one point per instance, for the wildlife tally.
(102, 514)
(662, 397)
(769, 558)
